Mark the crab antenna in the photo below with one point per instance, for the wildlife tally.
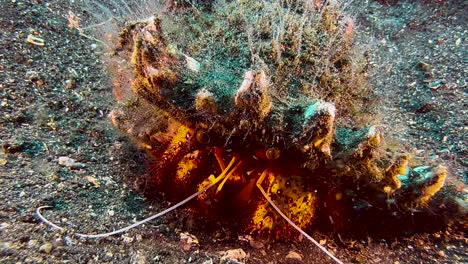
(43, 219)
(296, 227)
(39, 214)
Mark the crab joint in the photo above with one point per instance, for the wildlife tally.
(227, 177)
(226, 173)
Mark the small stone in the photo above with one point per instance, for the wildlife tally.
(70, 83)
(411, 85)
(4, 225)
(434, 85)
(32, 76)
(70, 163)
(127, 239)
(234, 255)
(253, 243)
(294, 257)
(188, 241)
(58, 243)
(441, 253)
(6, 245)
(256, 244)
(46, 248)
(92, 180)
(12, 147)
(139, 258)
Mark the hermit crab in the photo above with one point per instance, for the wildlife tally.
(261, 107)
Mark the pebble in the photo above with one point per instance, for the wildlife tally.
(70, 83)
(256, 244)
(233, 255)
(188, 241)
(411, 85)
(4, 225)
(127, 239)
(32, 243)
(441, 253)
(70, 163)
(6, 245)
(253, 243)
(46, 248)
(294, 257)
(32, 76)
(93, 181)
(139, 258)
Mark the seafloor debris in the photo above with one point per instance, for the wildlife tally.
(70, 163)
(35, 40)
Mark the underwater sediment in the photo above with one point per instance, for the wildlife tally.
(268, 95)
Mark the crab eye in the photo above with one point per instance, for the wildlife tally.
(203, 137)
(273, 153)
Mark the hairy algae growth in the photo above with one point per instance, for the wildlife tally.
(306, 52)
